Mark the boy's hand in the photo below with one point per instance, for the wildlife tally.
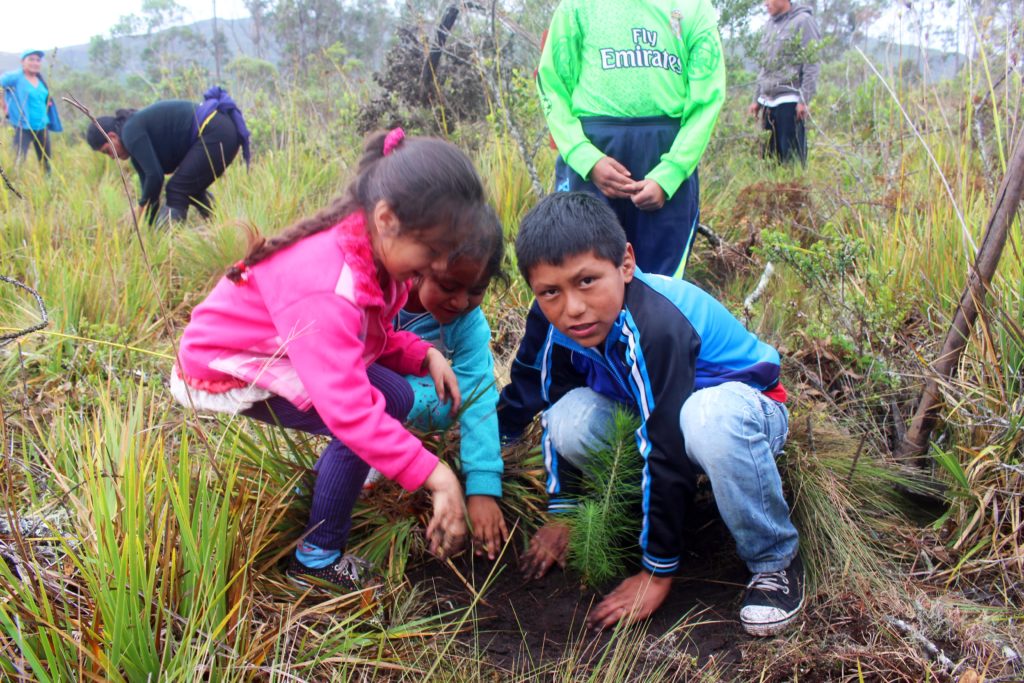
(549, 546)
(634, 599)
(445, 383)
(489, 530)
(612, 178)
(446, 531)
(649, 196)
(754, 109)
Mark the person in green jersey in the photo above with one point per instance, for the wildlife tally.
(631, 92)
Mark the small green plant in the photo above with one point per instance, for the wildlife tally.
(605, 515)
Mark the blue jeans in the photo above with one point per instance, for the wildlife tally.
(733, 433)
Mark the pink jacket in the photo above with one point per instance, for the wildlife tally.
(305, 326)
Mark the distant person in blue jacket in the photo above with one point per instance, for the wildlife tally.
(195, 143)
(30, 109)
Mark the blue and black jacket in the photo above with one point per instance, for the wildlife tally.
(670, 339)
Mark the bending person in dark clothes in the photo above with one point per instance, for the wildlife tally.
(193, 142)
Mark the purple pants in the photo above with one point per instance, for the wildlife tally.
(340, 472)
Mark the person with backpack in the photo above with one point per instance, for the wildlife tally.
(194, 143)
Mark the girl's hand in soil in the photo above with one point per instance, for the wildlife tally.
(550, 545)
(634, 599)
(488, 524)
(445, 384)
(446, 531)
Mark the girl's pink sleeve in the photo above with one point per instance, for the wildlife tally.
(322, 343)
(404, 352)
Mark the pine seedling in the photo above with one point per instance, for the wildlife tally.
(605, 516)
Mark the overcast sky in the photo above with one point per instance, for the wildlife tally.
(54, 23)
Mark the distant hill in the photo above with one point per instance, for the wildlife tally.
(941, 65)
(76, 57)
(886, 55)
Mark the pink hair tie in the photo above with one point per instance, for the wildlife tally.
(393, 139)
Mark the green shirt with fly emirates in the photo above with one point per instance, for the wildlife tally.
(630, 59)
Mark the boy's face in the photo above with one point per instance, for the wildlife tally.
(583, 296)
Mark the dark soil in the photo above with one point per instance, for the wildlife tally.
(524, 624)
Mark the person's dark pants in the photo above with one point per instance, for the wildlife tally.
(788, 136)
(661, 241)
(340, 473)
(204, 162)
(39, 140)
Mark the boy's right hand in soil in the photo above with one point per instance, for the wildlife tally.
(549, 546)
(446, 531)
(612, 178)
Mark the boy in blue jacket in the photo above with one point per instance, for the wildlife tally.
(707, 393)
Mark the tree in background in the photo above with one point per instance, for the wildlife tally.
(305, 28)
(259, 15)
(845, 21)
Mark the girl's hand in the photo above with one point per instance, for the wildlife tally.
(446, 531)
(445, 383)
(488, 524)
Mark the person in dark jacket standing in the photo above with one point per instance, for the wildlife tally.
(195, 143)
(788, 79)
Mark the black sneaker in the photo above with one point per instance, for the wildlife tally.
(773, 599)
(350, 573)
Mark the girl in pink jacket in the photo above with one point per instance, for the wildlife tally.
(299, 333)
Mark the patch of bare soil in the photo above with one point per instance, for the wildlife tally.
(524, 624)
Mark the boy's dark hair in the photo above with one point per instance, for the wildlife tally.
(566, 224)
(107, 124)
(427, 182)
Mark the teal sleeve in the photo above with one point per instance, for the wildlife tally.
(557, 76)
(705, 71)
(473, 364)
(469, 342)
(9, 78)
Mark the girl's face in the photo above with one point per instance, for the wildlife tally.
(405, 255)
(454, 291)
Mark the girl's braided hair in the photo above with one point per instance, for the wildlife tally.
(426, 182)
